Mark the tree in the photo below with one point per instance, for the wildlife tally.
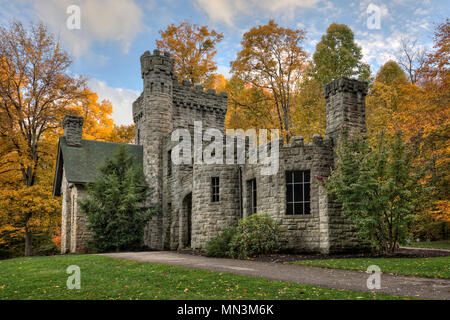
(390, 74)
(378, 187)
(122, 134)
(248, 107)
(98, 123)
(26, 210)
(217, 82)
(35, 89)
(426, 113)
(385, 100)
(272, 60)
(309, 114)
(338, 55)
(115, 207)
(412, 58)
(193, 49)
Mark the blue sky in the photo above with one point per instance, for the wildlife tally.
(114, 33)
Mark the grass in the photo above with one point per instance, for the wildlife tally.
(422, 267)
(108, 278)
(443, 244)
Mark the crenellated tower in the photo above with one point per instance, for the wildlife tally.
(152, 114)
(345, 106)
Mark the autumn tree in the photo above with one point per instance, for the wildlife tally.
(383, 103)
(309, 114)
(27, 209)
(35, 89)
(412, 58)
(193, 49)
(122, 134)
(248, 107)
(426, 113)
(98, 123)
(272, 61)
(337, 55)
(420, 110)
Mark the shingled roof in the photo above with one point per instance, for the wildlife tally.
(81, 163)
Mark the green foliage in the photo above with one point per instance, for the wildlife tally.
(425, 227)
(219, 246)
(337, 55)
(256, 234)
(378, 187)
(391, 74)
(115, 209)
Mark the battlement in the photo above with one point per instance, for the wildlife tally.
(157, 70)
(195, 97)
(345, 99)
(158, 62)
(345, 84)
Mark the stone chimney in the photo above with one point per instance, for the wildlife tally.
(72, 126)
(346, 107)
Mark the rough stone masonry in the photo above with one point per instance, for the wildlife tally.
(199, 200)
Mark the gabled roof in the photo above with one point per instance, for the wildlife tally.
(81, 163)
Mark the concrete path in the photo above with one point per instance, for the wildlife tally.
(422, 288)
(429, 249)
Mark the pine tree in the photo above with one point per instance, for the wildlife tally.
(378, 187)
(115, 207)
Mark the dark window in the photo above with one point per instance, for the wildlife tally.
(169, 207)
(298, 188)
(151, 87)
(215, 189)
(162, 87)
(138, 136)
(251, 189)
(169, 163)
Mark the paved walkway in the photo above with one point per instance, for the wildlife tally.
(423, 288)
(430, 249)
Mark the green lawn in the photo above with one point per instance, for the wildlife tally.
(108, 278)
(443, 244)
(422, 267)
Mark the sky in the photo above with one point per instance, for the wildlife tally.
(113, 34)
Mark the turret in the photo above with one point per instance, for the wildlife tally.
(152, 114)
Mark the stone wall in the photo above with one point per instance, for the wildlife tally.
(208, 217)
(74, 231)
(299, 232)
(66, 215)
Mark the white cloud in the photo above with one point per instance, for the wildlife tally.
(114, 20)
(121, 99)
(224, 70)
(226, 11)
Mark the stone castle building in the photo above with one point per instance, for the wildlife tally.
(199, 200)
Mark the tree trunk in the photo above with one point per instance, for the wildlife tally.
(28, 247)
